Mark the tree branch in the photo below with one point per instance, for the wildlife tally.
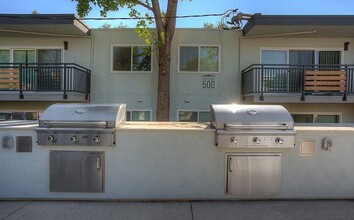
(145, 5)
(158, 19)
(171, 13)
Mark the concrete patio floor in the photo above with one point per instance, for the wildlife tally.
(194, 210)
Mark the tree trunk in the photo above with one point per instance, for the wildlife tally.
(163, 91)
(165, 31)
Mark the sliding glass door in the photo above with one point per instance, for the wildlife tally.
(49, 78)
(299, 58)
(275, 78)
(28, 75)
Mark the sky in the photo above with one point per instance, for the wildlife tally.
(186, 7)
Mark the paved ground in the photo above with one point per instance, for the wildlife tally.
(223, 210)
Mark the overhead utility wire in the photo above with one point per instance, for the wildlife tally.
(114, 18)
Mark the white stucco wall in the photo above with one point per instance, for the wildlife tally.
(108, 87)
(131, 87)
(79, 49)
(187, 86)
(251, 47)
(181, 161)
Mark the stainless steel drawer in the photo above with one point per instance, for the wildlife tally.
(76, 171)
(253, 174)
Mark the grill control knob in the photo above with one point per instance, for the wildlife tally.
(279, 140)
(233, 140)
(96, 139)
(74, 139)
(256, 140)
(51, 138)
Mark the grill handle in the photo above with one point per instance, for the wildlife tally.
(282, 126)
(76, 124)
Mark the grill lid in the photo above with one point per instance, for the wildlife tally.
(272, 117)
(83, 115)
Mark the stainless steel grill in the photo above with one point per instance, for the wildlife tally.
(252, 126)
(80, 124)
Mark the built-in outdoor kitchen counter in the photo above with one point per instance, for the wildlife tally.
(152, 160)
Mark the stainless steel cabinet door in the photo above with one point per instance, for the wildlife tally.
(76, 171)
(253, 174)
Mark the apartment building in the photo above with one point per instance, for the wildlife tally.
(302, 62)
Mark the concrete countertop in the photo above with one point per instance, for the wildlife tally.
(29, 125)
(20, 124)
(165, 126)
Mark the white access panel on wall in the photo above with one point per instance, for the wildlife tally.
(253, 174)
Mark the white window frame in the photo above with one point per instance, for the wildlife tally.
(191, 110)
(131, 57)
(139, 110)
(199, 46)
(315, 114)
(35, 48)
(316, 50)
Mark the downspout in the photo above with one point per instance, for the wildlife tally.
(91, 64)
(239, 66)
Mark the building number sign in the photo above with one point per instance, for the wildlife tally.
(208, 82)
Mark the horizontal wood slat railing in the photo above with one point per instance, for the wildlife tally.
(10, 79)
(323, 80)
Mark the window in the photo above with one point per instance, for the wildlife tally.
(24, 56)
(199, 59)
(131, 58)
(327, 119)
(329, 57)
(6, 116)
(301, 57)
(49, 56)
(193, 116)
(139, 115)
(4, 56)
(316, 118)
(33, 55)
(274, 57)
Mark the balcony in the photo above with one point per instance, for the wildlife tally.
(44, 82)
(298, 83)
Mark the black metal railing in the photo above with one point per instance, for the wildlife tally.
(270, 78)
(47, 77)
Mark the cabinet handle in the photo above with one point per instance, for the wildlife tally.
(230, 162)
(98, 163)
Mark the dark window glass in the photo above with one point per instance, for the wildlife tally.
(204, 116)
(4, 56)
(188, 59)
(49, 56)
(187, 116)
(327, 119)
(302, 118)
(122, 59)
(209, 59)
(141, 116)
(141, 58)
(301, 57)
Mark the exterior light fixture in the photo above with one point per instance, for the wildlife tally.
(346, 46)
(66, 45)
